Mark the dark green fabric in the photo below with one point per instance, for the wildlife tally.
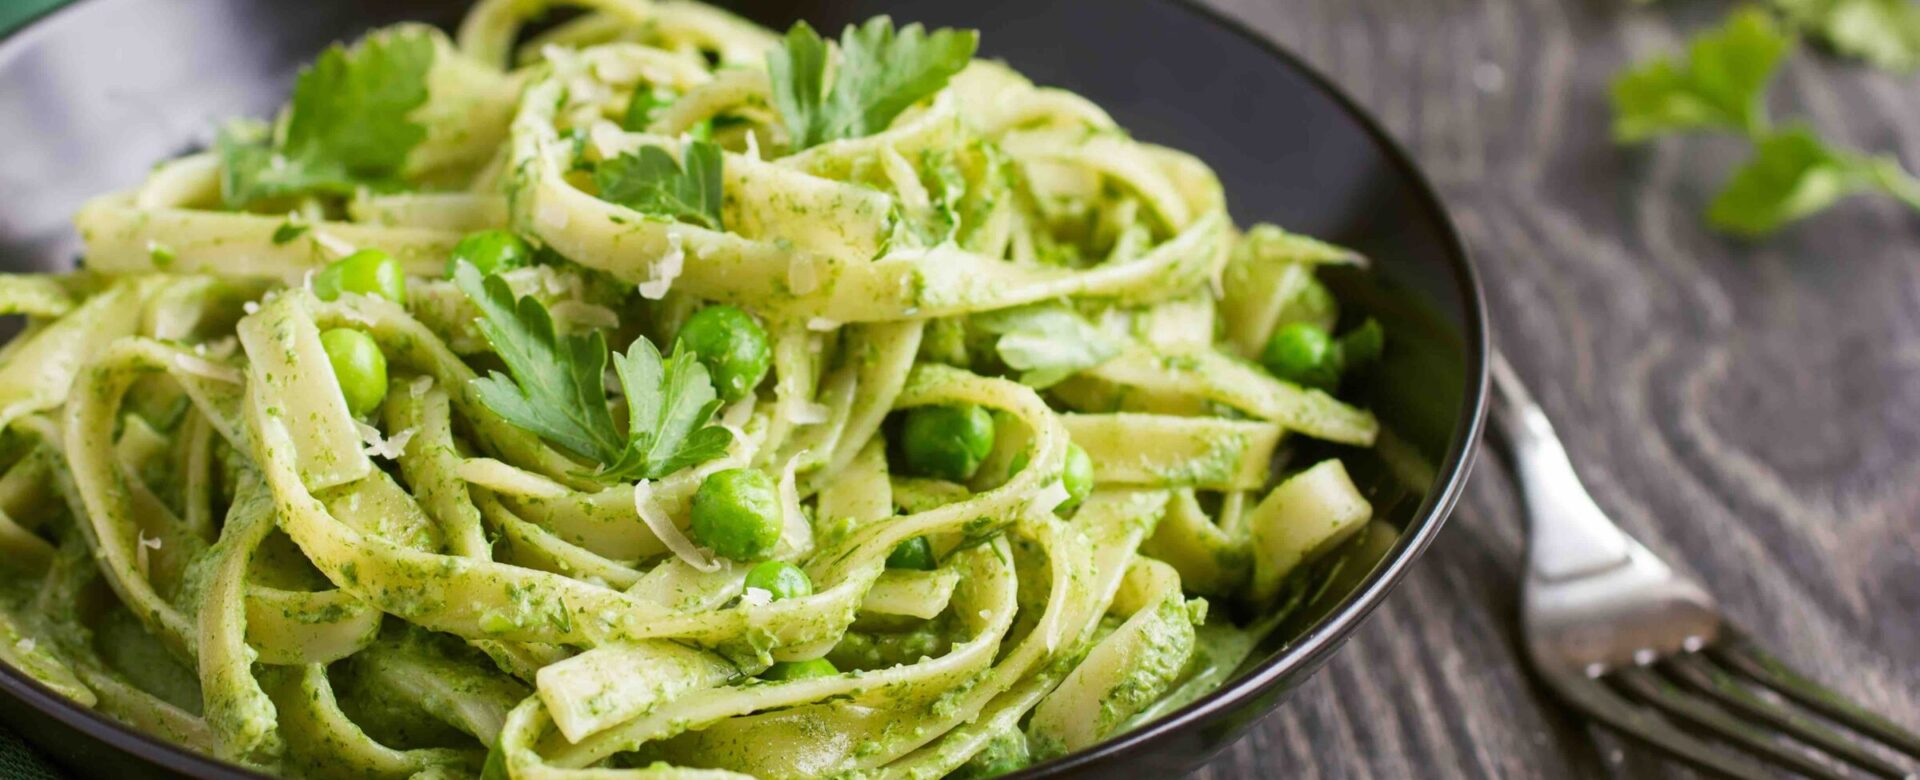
(20, 762)
(16, 12)
(17, 760)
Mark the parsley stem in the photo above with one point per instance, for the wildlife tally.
(1755, 123)
(1895, 181)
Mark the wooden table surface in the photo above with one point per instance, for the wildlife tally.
(1749, 411)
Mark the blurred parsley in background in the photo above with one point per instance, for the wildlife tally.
(1720, 85)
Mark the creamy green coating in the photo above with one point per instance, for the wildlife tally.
(204, 539)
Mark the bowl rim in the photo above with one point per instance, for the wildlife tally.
(1307, 651)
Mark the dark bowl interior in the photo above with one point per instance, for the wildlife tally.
(93, 95)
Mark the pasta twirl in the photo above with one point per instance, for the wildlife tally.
(661, 396)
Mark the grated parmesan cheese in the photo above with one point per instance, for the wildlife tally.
(351, 311)
(809, 413)
(822, 324)
(1050, 498)
(140, 554)
(802, 277)
(24, 646)
(665, 270)
(383, 447)
(334, 245)
(735, 416)
(560, 56)
(419, 386)
(199, 366)
(608, 139)
(796, 533)
(756, 597)
(221, 348)
(617, 71)
(556, 285)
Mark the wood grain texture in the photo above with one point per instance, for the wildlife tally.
(1751, 412)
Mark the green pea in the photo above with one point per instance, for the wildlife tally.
(800, 670)
(1076, 476)
(736, 513)
(783, 580)
(946, 442)
(359, 367)
(367, 272)
(915, 553)
(731, 345)
(491, 251)
(1303, 354)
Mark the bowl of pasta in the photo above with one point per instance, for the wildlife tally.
(617, 388)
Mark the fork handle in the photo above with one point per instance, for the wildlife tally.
(1567, 534)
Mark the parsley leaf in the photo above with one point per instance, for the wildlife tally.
(1885, 33)
(287, 232)
(345, 128)
(670, 404)
(798, 73)
(556, 389)
(1047, 342)
(880, 74)
(650, 182)
(1721, 84)
(1793, 174)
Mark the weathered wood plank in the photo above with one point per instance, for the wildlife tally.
(1751, 412)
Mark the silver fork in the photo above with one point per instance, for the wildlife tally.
(1645, 651)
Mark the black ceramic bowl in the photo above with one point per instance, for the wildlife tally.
(92, 95)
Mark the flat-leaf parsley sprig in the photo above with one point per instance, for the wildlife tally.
(1721, 85)
(880, 74)
(651, 182)
(1881, 33)
(1884, 33)
(554, 387)
(345, 128)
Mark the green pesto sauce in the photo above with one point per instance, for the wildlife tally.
(1218, 465)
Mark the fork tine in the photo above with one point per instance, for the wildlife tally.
(1634, 722)
(1736, 652)
(1697, 673)
(1644, 685)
